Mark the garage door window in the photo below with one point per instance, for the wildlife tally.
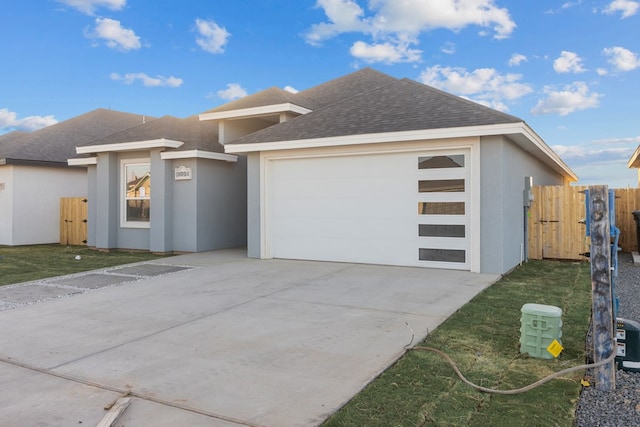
(441, 186)
(441, 162)
(441, 208)
(443, 197)
(442, 255)
(441, 230)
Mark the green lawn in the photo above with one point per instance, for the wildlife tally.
(483, 338)
(25, 263)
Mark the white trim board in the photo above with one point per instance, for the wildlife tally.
(130, 146)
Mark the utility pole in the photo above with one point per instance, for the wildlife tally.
(602, 314)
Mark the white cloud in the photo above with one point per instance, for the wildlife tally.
(602, 161)
(571, 98)
(384, 52)
(89, 7)
(622, 59)
(627, 7)
(114, 35)
(233, 91)
(344, 16)
(517, 59)
(147, 81)
(212, 37)
(449, 48)
(395, 25)
(568, 62)
(484, 85)
(9, 121)
(291, 89)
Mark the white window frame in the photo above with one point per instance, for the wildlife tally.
(123, 193)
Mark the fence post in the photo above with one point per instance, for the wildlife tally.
(603, 321)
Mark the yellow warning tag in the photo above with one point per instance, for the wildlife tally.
(555, 348)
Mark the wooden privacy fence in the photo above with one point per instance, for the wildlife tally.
(73, 221)
(554, 220)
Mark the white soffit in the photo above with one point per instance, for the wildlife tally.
(130, 146)
(519, 132)
(198, 154)
(255, 112)
(83, 161)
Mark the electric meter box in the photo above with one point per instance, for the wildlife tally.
(539, 326)
(628, 345)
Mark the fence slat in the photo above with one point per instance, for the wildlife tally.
(554, 219)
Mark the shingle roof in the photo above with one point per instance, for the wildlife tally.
(196, 134)
(315, 97)
(402, 105)
(358, 82)
(271, 96)
(57, 143)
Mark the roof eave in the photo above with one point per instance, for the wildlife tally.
(519, 132)
(255, 112)
(84, 161)
(129, 146)
(198, 154)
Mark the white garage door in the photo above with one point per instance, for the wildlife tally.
(396, 209)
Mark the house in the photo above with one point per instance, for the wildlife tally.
(367, 168)
(165, 186)
(634, 162)
(34, 174)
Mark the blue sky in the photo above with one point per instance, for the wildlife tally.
(571, 70)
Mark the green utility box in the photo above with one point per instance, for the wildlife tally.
(539, 326)
(628, 342)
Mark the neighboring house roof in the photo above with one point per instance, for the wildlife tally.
(371, 107)
(54, 144)
(634, 161)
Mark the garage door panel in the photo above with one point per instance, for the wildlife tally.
(346, 167)
(340, 228)
(368, 208)
(345, 188)
(374, 250)
(354, 208)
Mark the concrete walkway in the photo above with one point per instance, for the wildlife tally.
(215, 339)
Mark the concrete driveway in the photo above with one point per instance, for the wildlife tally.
(214, 339)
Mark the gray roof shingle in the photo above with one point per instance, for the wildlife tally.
(57, 143)
(347, 86)
(196, 134)
(271, 96)
(402, 105)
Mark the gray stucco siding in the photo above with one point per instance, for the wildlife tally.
(254, 222)
(106, 201)
(184, 225)
(161, 218)
(221, 204)
(92, 183)
(504, 166)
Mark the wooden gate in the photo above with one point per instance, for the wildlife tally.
(556, 216)
(73, 221)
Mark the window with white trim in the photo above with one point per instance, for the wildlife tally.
(136, 193)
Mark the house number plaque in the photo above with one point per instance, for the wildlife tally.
(182, 173)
